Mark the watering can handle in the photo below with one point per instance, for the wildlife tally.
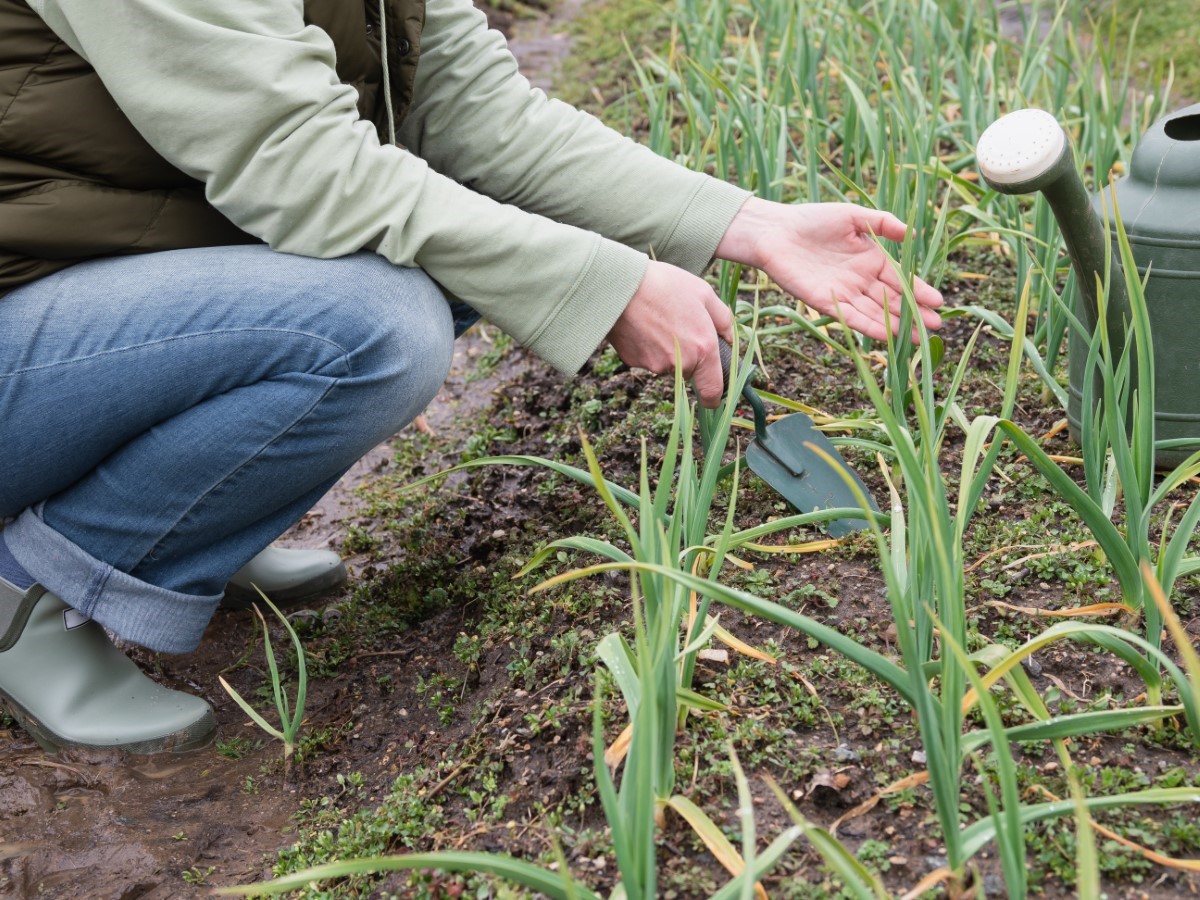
(760, 414)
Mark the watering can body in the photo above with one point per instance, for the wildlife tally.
(1159, 205)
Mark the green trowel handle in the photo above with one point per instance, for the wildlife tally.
(755, 401)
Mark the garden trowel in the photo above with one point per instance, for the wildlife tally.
(785, 455)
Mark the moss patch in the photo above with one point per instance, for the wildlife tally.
(1166, 31)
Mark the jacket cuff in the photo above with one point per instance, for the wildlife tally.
(703, 222)
(575, 329)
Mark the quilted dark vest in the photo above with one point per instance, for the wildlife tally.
(76, 179)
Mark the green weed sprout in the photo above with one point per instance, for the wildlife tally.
(631, 819)
(290, 715)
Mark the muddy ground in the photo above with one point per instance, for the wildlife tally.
(448, 709)
(94, 824)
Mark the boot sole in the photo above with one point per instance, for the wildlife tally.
(237, 597)
(195, 737)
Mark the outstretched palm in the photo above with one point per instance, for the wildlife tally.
(825, 255)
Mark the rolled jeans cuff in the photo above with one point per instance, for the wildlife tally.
(156, 618)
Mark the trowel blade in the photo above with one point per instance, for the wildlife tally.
(802, 476)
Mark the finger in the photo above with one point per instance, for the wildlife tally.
(844, 312)
(721, 317)
(925, 294)
(708, 378)
(895, 306)
(866, 316)
(929, 317)
(888, 275)
(885, 225)
(895, 303)
(888, 301)
(926, 297)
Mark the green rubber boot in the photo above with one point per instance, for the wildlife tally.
(286, 576)
(68, 686)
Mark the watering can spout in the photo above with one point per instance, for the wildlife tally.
(1028, 151)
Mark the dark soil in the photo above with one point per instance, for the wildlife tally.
(448, 709)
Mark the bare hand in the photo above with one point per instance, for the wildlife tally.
(671, 306)
(824, 255)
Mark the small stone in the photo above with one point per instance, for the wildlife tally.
(919, 757)
(844, 753)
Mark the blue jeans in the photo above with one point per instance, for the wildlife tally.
(164, 417)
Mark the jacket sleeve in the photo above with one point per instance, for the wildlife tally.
(475, 118)
(245, 98)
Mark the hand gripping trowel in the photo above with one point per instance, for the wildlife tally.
(785, 455)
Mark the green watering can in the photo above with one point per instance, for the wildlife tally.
(1159, 202)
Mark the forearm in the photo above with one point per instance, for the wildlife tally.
(477, 119)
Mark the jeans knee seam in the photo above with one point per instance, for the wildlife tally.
(342, 351)
(245, 462)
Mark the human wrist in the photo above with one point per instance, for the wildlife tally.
(743, 239)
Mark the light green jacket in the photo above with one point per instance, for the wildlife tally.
(531, 211)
